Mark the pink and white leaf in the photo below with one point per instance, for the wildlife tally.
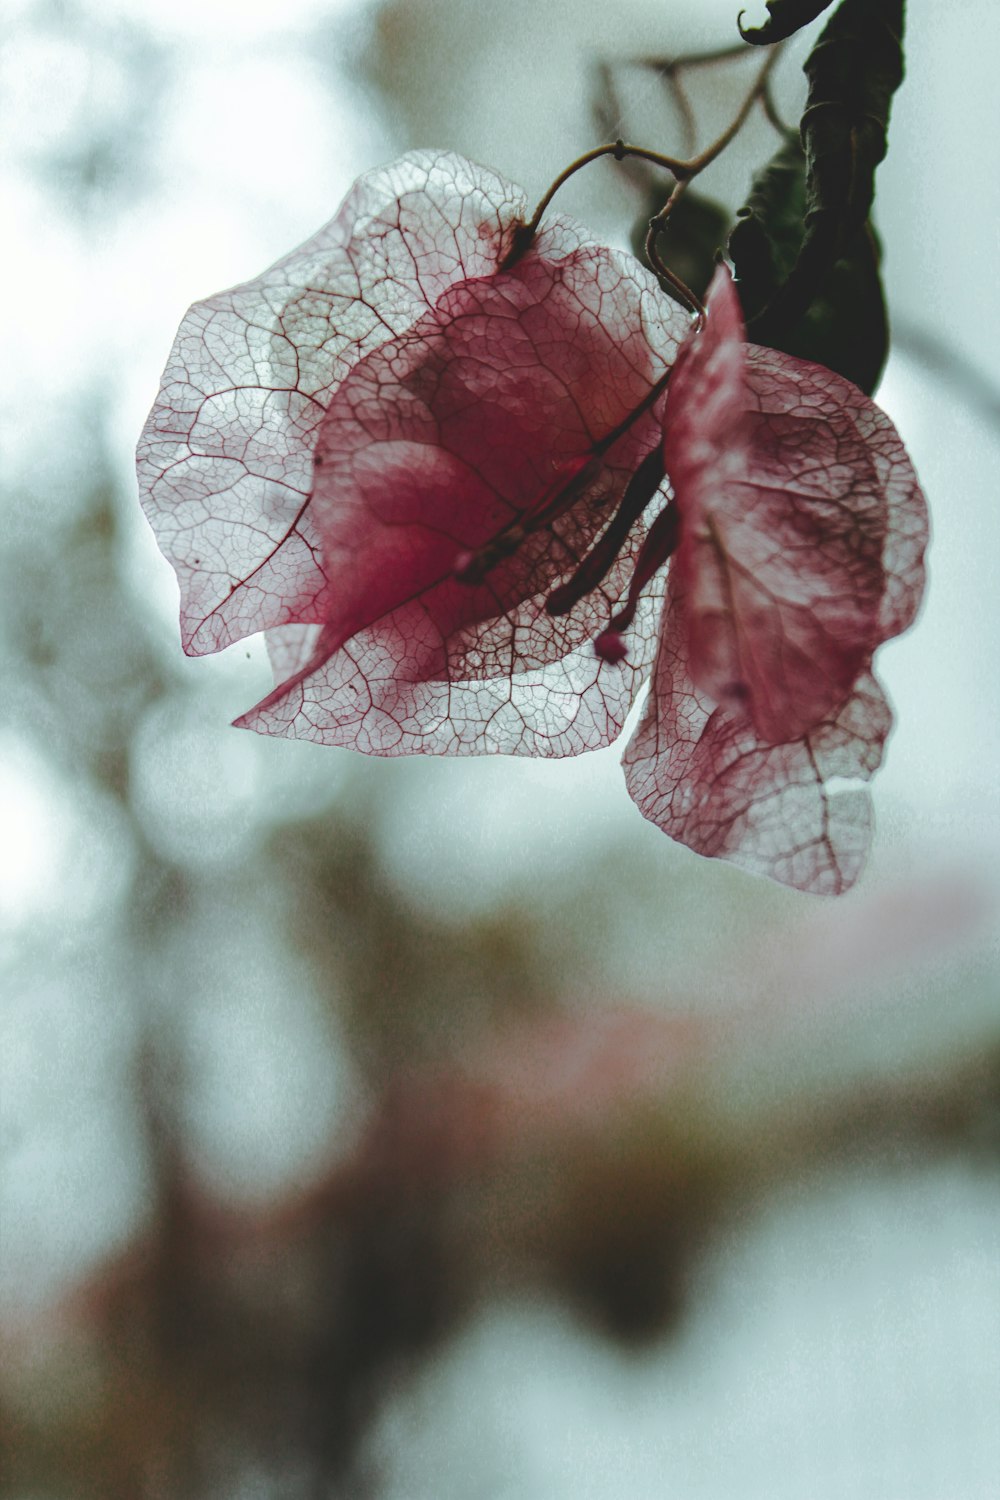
(797, 811)
(225, 457)
(802, 533)
(803, 525)
(525, 399)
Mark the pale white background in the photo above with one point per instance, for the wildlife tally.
(233, 131)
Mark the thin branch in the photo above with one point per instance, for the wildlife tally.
(774, 115)
(668, 65)
(706, 157)
(656, 225)
(525, 233)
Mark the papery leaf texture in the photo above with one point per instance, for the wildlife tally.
(225, 459)
(446, 488)
(332, 439)
(796, 811)
(784, 18)
(803, 530)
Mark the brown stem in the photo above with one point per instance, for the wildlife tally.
(656, 224)
(692, 168)
(706, 157)
(671, 65)
(525, 233)
(682, 171)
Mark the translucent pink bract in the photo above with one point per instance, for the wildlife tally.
(803, 530)
(330, 438)
(390, 449)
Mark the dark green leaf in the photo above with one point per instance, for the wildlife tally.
(844, 326)
(694, 233)
(765, 243)
(784, 18)
(853, 71)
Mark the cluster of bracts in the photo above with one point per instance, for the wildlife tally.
(478, 493)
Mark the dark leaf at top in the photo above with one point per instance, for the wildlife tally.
(853, 72)
(784, 17)
(854, 69)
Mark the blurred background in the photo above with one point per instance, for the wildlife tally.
(438, 1130)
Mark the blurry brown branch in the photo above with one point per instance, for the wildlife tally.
(941, 359)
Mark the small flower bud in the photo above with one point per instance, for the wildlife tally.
(610, 646)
